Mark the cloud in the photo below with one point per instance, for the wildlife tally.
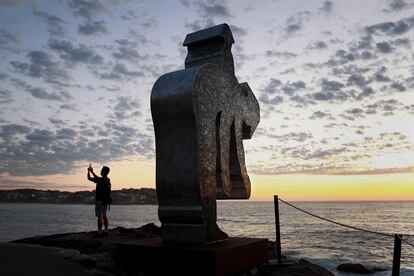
(331, 90)
(41, 65)
(75, 54)
(120, 71)
(10, 4)
(366, 92)
(341, 57)
(358, 80)
(386, 106)
(323, 169)
(272, 86)
(56, 122)
(291, 88)
(287, 55)
(317, 45)
(10, 130)
(264, 98)
(326, 7)
(212, 9)
(295, 22)
(384, 47)
(126, 50)
(398, 87)
(380, 75)
(402, 42)
(292, 136)
(322, 154)
(7, 37)
(87, 9)
(126, 107)
(40, 92)
(391, 28)
(356, 112)
(376, 171)
(5, 96)
(68, 107)
(208, 12)
(198, 24)
(353, 113)
(93, 28)
(28, 151)
(150, 23)
(8, 182)
(3, 76)
(56, 26)
(321, 115)
(396, 5)
(238, 31)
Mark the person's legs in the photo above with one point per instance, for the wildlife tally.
(98, 214)
(105, 218)
(100, 223)
(105, 221)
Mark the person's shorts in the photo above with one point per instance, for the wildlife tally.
(100, 208)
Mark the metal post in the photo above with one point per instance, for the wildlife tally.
(277, 224)
(397, 255)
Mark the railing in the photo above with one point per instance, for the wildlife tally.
(398, 238)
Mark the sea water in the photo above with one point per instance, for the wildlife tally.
(302, 236)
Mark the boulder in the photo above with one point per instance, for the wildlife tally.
(354, 268)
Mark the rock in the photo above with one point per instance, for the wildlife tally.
(354, 268)
(296, 268)
(254, 271)
(94, 255)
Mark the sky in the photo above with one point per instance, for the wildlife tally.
(334, 80)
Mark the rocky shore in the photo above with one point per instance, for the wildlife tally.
(84, 253)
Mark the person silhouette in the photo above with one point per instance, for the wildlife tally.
(102, 197)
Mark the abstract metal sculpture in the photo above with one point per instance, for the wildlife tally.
(201, 115)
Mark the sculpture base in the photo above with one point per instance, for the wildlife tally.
(154, 257)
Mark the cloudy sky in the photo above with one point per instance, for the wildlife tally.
(334, 79)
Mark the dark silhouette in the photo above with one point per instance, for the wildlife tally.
(102, 196)
(201, 116)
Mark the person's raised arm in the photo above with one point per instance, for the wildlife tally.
(89, 175)
(94, 175)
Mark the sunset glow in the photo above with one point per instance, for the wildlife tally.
(334, 80)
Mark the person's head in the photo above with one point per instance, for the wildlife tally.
(105, 171)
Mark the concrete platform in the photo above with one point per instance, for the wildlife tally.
(153, 257)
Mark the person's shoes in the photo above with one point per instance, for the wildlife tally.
(105, 232)
(98, 234)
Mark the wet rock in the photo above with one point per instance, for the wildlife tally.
(354, 268)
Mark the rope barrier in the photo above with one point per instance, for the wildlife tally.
(346, 225)
(408, 243)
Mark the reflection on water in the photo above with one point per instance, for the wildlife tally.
(302, 235)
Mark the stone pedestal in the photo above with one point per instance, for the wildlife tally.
(154, 257)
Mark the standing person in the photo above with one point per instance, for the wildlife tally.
(102, 197)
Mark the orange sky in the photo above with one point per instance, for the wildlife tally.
(138, 174)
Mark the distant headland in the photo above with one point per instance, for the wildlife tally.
(141, 196)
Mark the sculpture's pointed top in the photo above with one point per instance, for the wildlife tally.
(222, 30)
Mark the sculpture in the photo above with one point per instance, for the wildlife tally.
(201, 114)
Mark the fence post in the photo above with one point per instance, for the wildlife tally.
(277, 224)
(397, 255)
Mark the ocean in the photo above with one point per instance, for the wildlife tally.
(302, 236)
